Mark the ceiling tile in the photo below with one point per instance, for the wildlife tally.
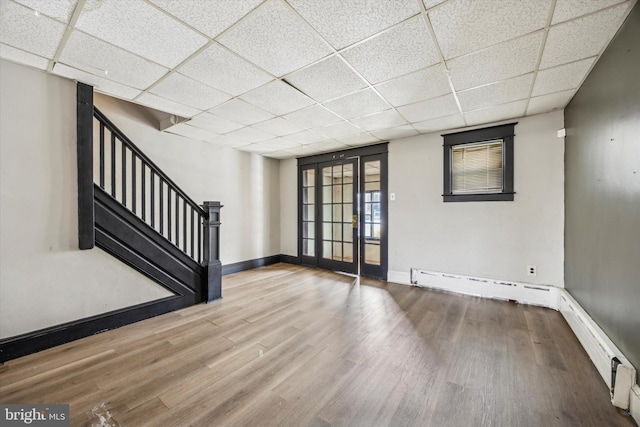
(430, 109)
(423, 84)
(279, 155)
(219, 68)
(395, 133)
(162, 104)
(249, 135)
(242, 112)
(496, 93)
(343, 23)
(464, 26)
(325, 146)
(279, 143)
(545, 103)
(360, 139)
(327, 79)
(450, 122)
(307, 137)
(278, 126)
(214, 123)
(339, 130)
(276, 39)
(303, 150)
(494, 114)
(314, 116)
(278, 98)
(21, 28)
(210, 17)
(97, 57)
(140, 28)
(377, 121)
(58, 9)
(101, 85)
(428, 4)
(228, 141)
(358, 104)
(400, 50)
(256, 149)
(191, 132)
(569, 9)
(583, 37)
(22, 57)
(499, 62)
(189, 92)
(568, 76)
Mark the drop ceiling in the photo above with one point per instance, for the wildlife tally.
(299, 77)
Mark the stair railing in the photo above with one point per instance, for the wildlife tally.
(118, 167)
(135, 181)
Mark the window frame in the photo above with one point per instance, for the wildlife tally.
(506, 134)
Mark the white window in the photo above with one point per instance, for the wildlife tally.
(477, 168)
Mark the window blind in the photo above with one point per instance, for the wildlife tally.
(477, 168)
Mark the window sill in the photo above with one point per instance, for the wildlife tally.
(490, 197)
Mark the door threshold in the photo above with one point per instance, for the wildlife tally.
(347, 274)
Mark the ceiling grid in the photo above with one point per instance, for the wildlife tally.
(286, 78)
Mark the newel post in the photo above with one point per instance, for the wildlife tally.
(84, 111)
(213, 286)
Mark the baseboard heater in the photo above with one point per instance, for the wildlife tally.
(523, 293)
(616, 371)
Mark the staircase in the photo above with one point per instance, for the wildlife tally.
(131, 209)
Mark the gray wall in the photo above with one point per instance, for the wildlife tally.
(602, 208)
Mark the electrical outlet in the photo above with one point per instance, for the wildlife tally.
(531, 270)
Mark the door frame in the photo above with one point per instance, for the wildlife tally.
(364, 154)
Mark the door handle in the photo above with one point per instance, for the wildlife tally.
(354, 221)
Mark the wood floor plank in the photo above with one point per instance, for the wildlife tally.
(296, 346)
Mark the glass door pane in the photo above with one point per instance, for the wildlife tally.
(337, 215)
(308, 212)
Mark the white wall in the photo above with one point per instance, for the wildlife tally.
(44, 279)
(289, 207)
(485, 239)
(248, 185)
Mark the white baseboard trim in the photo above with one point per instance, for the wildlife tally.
(634, 403)
(508, 290)
(399, 277)
(601, 350)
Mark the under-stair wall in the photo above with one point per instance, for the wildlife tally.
(182, 256)
(45, 281)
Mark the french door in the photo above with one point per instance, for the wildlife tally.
(343, 211)
(338, 220)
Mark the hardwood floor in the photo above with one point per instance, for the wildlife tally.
(295, 346)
